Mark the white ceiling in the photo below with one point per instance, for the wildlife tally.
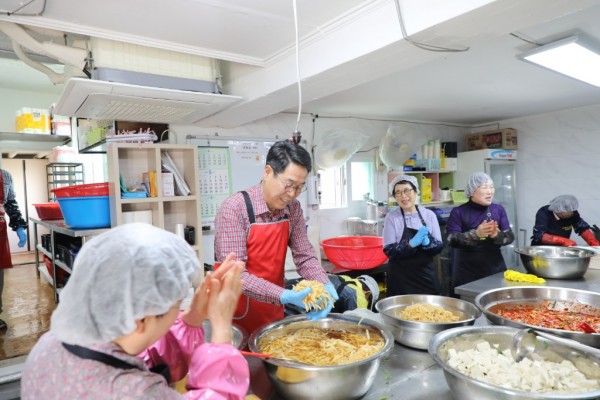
(353, 58)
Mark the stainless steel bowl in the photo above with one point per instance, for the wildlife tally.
(240, 337)
(491, 300)
(555, 262)
(417, 334)
(464, 387)
(338, 382)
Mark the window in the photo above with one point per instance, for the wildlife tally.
(361, 173)
(348, 183)
(333, 187)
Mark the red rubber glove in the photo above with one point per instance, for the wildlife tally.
(557, 240)
(589, 238)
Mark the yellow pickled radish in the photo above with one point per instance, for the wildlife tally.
(517, 276)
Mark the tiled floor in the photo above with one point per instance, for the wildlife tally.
(28, 305)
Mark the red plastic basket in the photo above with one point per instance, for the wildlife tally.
(61, 274)
(48, 211)
(85, 190)
(355, 252)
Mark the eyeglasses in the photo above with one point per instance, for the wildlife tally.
(405, 192)
(289, 185)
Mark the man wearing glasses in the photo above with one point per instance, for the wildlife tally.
(258, 225)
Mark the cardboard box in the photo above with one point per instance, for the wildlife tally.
(498, 139)
(168, 184)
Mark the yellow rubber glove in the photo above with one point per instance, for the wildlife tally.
(512, 275)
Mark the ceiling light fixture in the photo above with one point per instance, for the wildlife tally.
(574, 56)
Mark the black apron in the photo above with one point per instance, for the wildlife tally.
(107, 359)
(414, 275)
(475, 263)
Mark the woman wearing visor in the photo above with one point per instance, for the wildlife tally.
(411, 238)
(476, 230)
(555, 221)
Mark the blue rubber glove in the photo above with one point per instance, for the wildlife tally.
(318, 314)
(22, 236)
(417, 240)
(294, 298)
(426, 240)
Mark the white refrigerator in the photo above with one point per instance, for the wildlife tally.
(501, 166)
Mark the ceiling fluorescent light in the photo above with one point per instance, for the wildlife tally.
(573, 56)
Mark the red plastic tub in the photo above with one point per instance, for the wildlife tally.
(61, 274)
(85, 190)
(48, 211)
(355, 252)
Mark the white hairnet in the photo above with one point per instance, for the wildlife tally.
(564, 203)
(130, 272)
(476, 180)
(407, 178)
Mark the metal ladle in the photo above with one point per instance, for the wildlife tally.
(288, 361)
(525, 340)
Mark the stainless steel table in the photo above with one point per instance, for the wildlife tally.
(57, 226)
(406, 374)
(590, 281)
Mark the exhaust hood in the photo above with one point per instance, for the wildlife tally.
(98, 99)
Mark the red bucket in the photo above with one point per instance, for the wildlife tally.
(48, 211)
(85, 190)
(355, 252)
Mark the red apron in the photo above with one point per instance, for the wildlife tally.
(5, 259)
(267, 247)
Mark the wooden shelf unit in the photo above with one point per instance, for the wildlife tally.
(439, 179)
(131, 160)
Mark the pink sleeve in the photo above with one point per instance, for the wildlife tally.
(218, 371)
(175, 349)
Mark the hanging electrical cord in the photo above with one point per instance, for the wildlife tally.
(22, 6)
(524, 39)
(424, 46)
(297, 135)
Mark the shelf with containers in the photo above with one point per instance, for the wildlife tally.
(131, 161)
(435, 180)
(56, 262)
(91, 133)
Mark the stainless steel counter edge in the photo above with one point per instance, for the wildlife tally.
(60, 227)
(590, 281)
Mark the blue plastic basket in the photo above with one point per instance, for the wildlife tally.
(85, 212)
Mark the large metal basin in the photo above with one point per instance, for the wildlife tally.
(416, 334)
(556, 262)
(465, 387)
(239, 339)
(336, 382)
(534, 295)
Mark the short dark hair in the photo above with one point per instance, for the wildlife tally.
(284, 152)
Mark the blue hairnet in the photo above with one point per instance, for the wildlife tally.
(130, 272)
(476, 180)
(407, 178)
(564, 203)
